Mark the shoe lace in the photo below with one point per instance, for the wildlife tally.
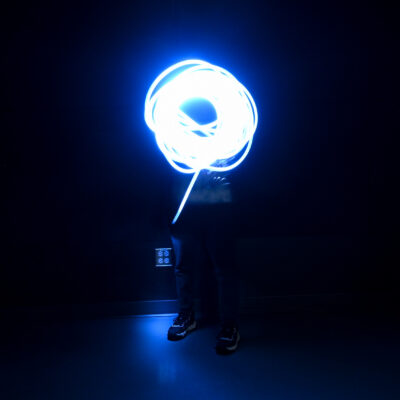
(182, 316)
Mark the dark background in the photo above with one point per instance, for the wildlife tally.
(83, 181)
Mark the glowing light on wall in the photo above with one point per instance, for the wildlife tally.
(189, 146)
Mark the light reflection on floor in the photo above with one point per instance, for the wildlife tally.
(280, 357)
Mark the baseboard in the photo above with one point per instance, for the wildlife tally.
(252, 305)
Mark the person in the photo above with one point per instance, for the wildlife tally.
(206, 221)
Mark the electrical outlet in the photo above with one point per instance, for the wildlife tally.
(163, 257)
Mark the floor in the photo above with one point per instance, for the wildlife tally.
(281, 356)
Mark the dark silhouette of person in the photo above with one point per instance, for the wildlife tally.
(207, 222)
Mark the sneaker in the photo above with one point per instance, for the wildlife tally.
(227, 339)
(183, 324)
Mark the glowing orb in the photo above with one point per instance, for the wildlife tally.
(190, 146)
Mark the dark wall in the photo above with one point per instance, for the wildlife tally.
(83, 180)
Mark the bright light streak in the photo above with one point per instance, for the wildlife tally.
(176, 133)
(185, 197)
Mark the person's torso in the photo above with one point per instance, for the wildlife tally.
(210, 188)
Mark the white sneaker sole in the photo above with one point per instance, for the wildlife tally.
(235, 346)
(228, 349)
(189, 329)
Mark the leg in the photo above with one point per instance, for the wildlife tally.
(228, 285)
(220, 243)
(183, 272)
(222, 250)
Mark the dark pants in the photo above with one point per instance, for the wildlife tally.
(210, 228)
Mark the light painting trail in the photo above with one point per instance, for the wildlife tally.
(190, 147)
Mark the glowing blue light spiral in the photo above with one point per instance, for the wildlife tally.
(189, 147)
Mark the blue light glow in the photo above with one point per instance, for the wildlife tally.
(188, 145)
